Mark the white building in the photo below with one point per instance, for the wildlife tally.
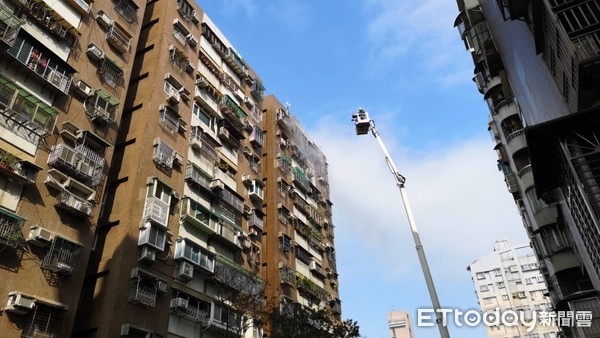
(509, 279)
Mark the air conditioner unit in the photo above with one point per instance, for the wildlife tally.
(314, 266)
(178, 158)
(282, 142)
(223, 132)
(247, 179)
(39, 236)
(103, 19)
(241, 234)
(82, 88)
(253, 233)
(184, 97)
(189, 68)
(195, 17)
(179, 303)
(248, 102)
(201, 82)
(192, 40)
(19, 303)
(217, 185)
(161, 286)
(147, 254)
(175, 195)
(185, 271)
(173, 97)
(94, 52)
(247, 245)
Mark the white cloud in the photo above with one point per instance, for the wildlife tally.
(460, 203)
(419, 29)
(249, 7)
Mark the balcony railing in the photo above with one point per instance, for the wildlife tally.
(235, 276)
(197, 176)
(311, 287)
(22, 171)
(257, 137)
(101, 107)
(198, 140)
(10, 25)
(80, 162)
(236, 63)
(301, 179)
(117, 37)
(142, 290)
(127, 10)
(256, 221)
(82, 6)
(229, 232)
(287, 275)
(198, 217)
(72, 202)
(63, 257)
(25, 110)
(231, 199)
(232, 112)
(10, 228)
(169, 120)
(257, 90)
(157, 211)
(42, 62)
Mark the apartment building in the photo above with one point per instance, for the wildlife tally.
(62, 86)
(400, 325)
(535, 62)
(509, 279)
(299, 238)
(134, 178)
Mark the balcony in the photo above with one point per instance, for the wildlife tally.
(229, 234)
(51, 21)
(143, 290)
(10, 228)
(506, 109)
(190, 308)
(230, 198)
(526, 177)
(232, 112)
(101, 107)
(257, 137)
(80, 162)
(10, 25)
(236, 63)
(336, 306)
(39, 60)
(212, 38)
(287, 275)
(21, 171)
(255, 221)
(199, 142)
(81, 6)
(233, 275)
(197, 176)
(198, 217)
(169, 120)
(225, 320)
(516, 141)
(257, 90)
(118, 38)
(301, 180)
(200, 257)
(310, 287)
(71, 202)
(63, 257)
(256, 191)
(157, 211)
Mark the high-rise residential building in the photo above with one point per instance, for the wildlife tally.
(400, 325)
(140, 178)
(535, 62)
(62, 88)
(509, 279)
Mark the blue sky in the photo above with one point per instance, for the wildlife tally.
(403, 61)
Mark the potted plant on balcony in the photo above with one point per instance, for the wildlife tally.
(8, 160)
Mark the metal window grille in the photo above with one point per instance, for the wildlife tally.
(111, 73)
(63, 257)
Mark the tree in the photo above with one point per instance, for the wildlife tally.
(293, 320)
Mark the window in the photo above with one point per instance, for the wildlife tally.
(128, 10)
(303, 255)
(256, 189)
(480, 275)
(497, 272)
(163, 154)
(180, 33)
(540, 279)
(43, 321)
(169, 119)
(285, 243)
(185, 9)
(153, 236)
(528, 281)
(63, 257)
(483, 288)
(118, 37)
(193, 253)
(101, 107)
(489, 300)
(504, 297)
(284, 163)
(205, 117)
(178, 59)
(143, 288)
(283, 215)
(111, 73)
(501, 285)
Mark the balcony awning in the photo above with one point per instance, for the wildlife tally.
(49, 11)
(459, 18)
(12, 215)
(28, 96)
(105, 96)
(96, 138)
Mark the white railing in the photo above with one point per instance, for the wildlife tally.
(72, 201)
(118, 39)
(157, 211)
